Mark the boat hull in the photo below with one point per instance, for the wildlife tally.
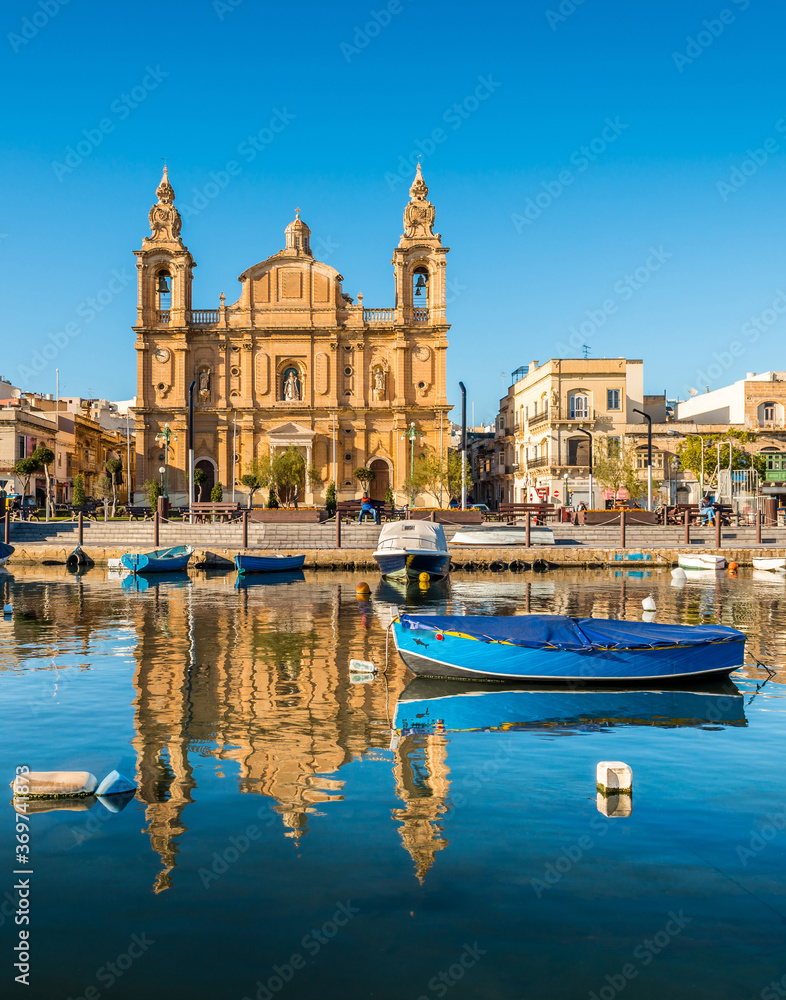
(457, 657)
(773, 565)
(268, 564)
(408, 565)
(463, 706)
(158, 561)
(699, 560)
(6, 551)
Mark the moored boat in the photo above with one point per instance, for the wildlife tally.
(429, 705)
(408, 548)
(503, 534)
(557, 648)
(6, 551)
(274, 563)
(774, 565)
(158, 560)
(700, 560)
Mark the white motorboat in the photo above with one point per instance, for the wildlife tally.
(408, 548)
(700, 560)
(503, 534)
(774, 565)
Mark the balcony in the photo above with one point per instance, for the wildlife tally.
(589, 418)
(539, 418)
(203, 317)
(162, 317)
(379, 315)
(538, 463)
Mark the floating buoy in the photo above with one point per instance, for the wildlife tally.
(648, 604)
(362, 590)
(733, 567)
(678, 574)
(424, 578)
(362, 667)
(7, 609)
(614, 777)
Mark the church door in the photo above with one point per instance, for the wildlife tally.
(381, 481)
(209, 483)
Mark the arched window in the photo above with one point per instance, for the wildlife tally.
(770, 413)
(420, 288)
(578, 406)
(163, 289)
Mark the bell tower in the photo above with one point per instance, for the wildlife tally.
(164, 266)
(419, 262)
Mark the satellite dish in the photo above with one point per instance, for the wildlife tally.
(693, 392)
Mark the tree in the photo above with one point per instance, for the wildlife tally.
(616, 468)
(288, 469)
(44, 457)
(25, 468)
(330, 498)
(272, 499)
(454, 474)
(256, 477)
(437, 477)
(217, 493)
(365, 476)
(152, 490)
(114, 467)
(200, 478)
(103, 489)
(389, 498)
(78, 497)
(690, 454)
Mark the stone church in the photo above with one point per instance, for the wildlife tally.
(293, 361)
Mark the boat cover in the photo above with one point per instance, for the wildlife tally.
(563, 632)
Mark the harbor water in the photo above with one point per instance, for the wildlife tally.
(304, 829)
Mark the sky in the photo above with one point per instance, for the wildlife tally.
(605, 173)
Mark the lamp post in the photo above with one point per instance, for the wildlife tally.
(565, 489)
(648, 418)
(463, 446)
(582, 431)
(411, 434)
(162, 473)
(165, 436)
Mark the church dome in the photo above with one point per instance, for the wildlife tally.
(298, 235)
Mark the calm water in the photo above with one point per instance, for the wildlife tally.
(287, 841)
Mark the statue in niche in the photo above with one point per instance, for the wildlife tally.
(379, 384)
(204, 382)
(291, 385)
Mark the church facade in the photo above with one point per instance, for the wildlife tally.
(293, 361)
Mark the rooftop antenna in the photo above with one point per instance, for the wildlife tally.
(586, 350)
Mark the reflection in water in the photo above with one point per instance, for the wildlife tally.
(255, 674)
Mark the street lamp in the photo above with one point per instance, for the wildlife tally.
(648, 418)
(581, 430)
(165, 436)
(162, 473)
(411, 434)
(565, 489)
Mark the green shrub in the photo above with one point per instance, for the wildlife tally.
(217, 493)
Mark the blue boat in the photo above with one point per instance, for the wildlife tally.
(268, 564)
(549, 648)
(6, 551)
(159, 560)
(428, 706)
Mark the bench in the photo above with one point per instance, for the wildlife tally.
(676, 514)
(137, 513)
(350, 509)
(214, 511)
(543, 511)
(87, 510)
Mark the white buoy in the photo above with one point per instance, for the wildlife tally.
(678, 574)
(362, 667)
(648, 604)
(7, 609)
(614, 777)
(648, 616)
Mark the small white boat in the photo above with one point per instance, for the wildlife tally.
(408, 548)
(700, 560)
(492, 535)
(774, 565)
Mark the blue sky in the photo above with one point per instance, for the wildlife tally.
(664, 236)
